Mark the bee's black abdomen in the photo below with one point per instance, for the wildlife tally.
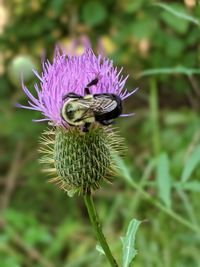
(107, 117)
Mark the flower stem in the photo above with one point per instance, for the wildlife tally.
(94, 219)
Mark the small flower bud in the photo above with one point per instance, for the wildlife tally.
(80, 161)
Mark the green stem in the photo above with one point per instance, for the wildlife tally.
(154, 113)
(98, 229)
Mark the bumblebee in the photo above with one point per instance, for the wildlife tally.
(102, 108)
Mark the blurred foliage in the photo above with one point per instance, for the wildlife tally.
(158, 45)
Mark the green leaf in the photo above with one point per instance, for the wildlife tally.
(178, 25)
(129, 251)
(100, 249)
(175, 46)
(177, 13)
(122, 167)
(164, 179)
(193, 186)
(139, 27)
(191, 164)
(174, 70)
(131, 6)
(57, 6)
(94, 13)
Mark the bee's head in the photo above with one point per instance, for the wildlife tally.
(71, 112)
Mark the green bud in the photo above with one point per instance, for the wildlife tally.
(80, 160)
(21, 66)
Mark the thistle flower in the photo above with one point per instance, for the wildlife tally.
(79, 160)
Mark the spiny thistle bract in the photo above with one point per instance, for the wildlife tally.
(79, 161)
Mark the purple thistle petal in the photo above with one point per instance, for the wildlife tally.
(37, 74)
(26, 107)
(127, 115)
(126, 94)
(41, 120)
(72, 73)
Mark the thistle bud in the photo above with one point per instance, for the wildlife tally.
(79, 161)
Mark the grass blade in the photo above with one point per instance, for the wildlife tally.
(191, 164)
(177, 13)
(169, 71)
(193, 186)
(164, 179)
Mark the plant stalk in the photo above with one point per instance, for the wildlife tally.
(94, 219)
(154, 113)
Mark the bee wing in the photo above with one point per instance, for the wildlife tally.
(103, 105)
(85, 103)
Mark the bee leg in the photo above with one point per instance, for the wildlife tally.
(87, 91)
(93, 82)
(86, 127)
(71, 95)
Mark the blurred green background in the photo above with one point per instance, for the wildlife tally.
(159, 181)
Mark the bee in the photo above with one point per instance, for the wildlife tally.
(80, 110)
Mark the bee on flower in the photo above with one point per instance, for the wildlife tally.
(80, 96)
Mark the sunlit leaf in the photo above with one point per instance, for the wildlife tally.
(191, 164)
(193, 186)
(100, 249)
(129, 251)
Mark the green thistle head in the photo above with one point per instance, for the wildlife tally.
(78, 161)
